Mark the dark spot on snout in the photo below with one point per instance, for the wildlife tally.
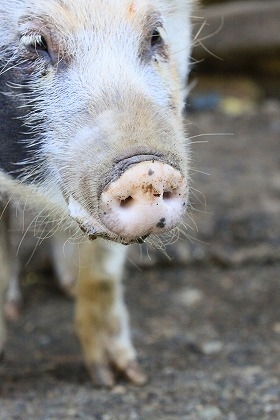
(161, 223)
(150, 172)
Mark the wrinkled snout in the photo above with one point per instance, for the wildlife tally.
(149, 197)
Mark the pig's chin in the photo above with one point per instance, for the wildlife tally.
(93, 233)
(92, 228)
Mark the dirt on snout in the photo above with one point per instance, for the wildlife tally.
(206, 323)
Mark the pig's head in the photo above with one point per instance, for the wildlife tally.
(98, 86)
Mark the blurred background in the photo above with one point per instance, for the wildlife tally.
(239, 38)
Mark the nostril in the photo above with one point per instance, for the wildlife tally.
(126, 202)
(167, 195)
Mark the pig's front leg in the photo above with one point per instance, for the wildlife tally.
(65, 263)
(101, 316)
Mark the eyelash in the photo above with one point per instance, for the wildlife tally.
(156, 39)
(34, 42)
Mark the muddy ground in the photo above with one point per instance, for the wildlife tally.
(206, 324)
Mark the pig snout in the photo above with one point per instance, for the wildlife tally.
(148, 197)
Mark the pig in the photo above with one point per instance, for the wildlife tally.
(92, 139)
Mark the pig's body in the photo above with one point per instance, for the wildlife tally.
(92, 136)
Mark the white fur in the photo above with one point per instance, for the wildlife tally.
(108, 94)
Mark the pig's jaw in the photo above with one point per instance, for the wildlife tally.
(87, 223)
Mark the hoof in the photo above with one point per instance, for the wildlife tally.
(106, 376)
(134, 374)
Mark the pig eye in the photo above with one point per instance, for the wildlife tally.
(156, 39)
(35, 43)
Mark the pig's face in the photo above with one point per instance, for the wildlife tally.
(100, 86)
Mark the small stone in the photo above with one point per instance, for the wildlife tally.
(107, 417)
(276, 327)
(190, 297)
(211, 347)
(119, 390)
(72, 412)
(44, 340)
(275, 182)
(210, 413)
